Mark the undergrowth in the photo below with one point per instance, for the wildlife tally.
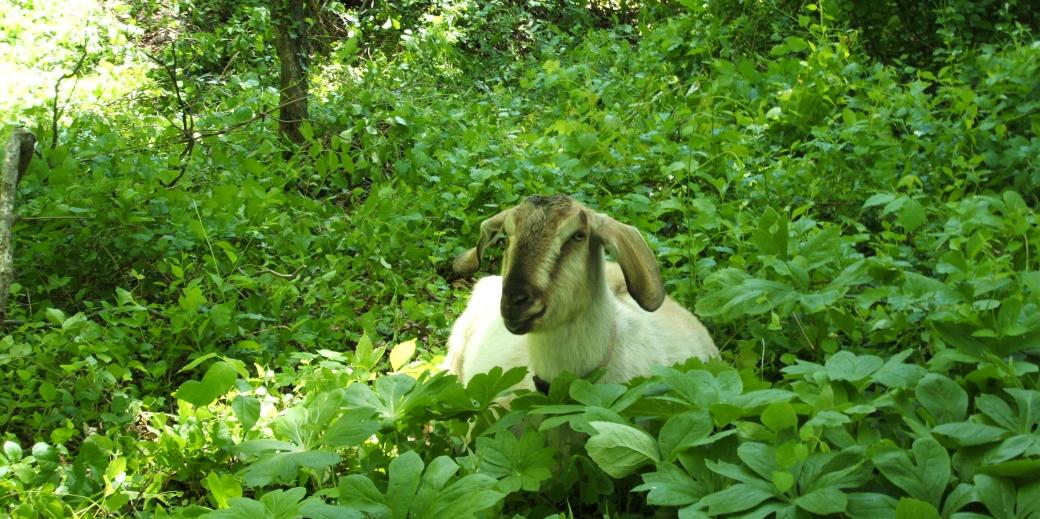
(232, 333)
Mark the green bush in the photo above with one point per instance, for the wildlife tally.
(848, 203)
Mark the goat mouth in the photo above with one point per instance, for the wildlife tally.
(522, 326)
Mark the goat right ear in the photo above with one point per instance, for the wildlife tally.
(468, 262)
(637, 261)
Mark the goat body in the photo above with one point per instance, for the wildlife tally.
(559, 306)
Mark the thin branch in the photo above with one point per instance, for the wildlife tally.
(56, 113)
(804, 335)
(55, 217)
(187, 126)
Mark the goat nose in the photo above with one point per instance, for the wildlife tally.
(521, 297)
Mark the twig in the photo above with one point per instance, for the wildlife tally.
(55, 217)
(800, 328)
(187, 126)
(56, 113)
(290, 277)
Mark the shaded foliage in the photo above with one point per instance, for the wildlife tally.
(847, 202)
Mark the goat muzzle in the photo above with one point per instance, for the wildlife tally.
(520, 307)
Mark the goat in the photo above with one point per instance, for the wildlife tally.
(559, 306)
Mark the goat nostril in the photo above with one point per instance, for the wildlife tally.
(521, 298)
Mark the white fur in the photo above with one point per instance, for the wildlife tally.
(479, 340)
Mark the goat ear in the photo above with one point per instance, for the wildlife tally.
(468, 262)
(642, 275)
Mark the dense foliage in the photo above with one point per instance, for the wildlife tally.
(209, 321)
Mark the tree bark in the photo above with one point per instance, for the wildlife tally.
(17, 154)
(290, 27)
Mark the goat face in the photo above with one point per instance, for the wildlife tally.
(553, 263)
(550, 264)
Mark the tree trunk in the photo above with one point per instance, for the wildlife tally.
(290, 29)
(17, 154)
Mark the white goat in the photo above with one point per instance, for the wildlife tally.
(558, 306)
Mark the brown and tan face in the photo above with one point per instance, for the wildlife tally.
(554, 261)
(547, 263)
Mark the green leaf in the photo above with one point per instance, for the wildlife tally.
(350, 430)
(771, 236)
(1028, 403)
(683, 431)
(970, 433)
(845, 365)
(671, 486)
(222, 488)
(193, 364)
(315, 508)
(283, 504)
(823, 501)
(405, 471)
(879, 199)
(735, 498)
(779, 416)
(55, 316)
(1029, 500)
(912, 215)
(520, 464)
(897, 374)
(759, 398)
(358, 492)
(909, 508)
(759, 457)
(12, 451)
(284, 467)
(247, 410)
(870, 504)
(926, 478)
(998, 494)
(783, 480)
(601, 395)
(736, 472)
(465, 498)
(998, 410)
(943, 398)
(241, 508)
(621, 449)
(734, 293)
(486, 387)
(958, 498)
(218, 380)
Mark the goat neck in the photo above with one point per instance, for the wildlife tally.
(582, 344)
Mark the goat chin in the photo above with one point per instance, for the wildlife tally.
(610, 331)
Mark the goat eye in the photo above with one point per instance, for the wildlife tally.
(578, 236)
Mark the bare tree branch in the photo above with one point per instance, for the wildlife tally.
(57, 112)
(187, 126)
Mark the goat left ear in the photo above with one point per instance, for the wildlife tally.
(468, 262)
(642, 275)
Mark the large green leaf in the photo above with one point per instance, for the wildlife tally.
(520, 463)
(943, 398)
(671, 486)
(218, 380)
(735, 498)
(925, 478)
(621, 449)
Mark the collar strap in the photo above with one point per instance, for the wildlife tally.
(541, 385)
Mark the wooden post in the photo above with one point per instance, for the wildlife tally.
(17, 154)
